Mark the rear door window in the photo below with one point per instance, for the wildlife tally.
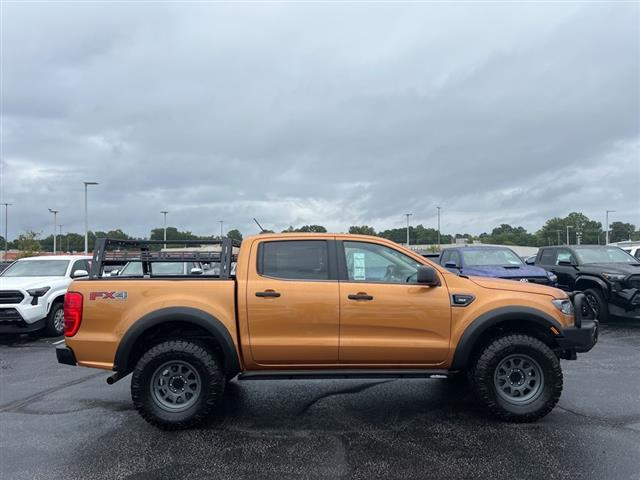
(294, 259)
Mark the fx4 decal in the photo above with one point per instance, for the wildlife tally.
(108, 295)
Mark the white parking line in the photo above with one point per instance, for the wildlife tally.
(58, 342)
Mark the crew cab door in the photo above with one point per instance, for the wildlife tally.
(386, 318)
(292, 303)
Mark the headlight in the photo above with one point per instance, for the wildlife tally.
(614, 277)
(36, 293)
(552, 277)
(565, 306)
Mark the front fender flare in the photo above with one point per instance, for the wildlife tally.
(494, 317)
(592, 279)
(183, 314)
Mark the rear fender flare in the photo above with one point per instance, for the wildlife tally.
(182, 314)
(481, 324)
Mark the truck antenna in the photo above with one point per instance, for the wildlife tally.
(259, 226)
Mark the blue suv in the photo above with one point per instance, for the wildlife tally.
(496, 262)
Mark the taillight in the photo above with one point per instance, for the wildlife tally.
(72, 313)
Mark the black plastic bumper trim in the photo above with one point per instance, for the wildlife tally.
(66, 356)
(579, 339)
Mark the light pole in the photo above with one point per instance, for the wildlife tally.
(164, 226)
(61, 247)
(408, 215)
(6, 234)
(438, 228)
(86, 217)
(606, 242)
(55, 227)
(221, 222)
(568, 227)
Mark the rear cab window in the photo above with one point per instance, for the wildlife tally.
(294, 259)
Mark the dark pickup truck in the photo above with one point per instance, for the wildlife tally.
(609, 277)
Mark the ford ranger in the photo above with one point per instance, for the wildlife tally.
(317, 306)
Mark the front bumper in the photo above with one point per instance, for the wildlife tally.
(583, 336)
(65, 355)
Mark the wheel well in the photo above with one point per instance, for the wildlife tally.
(173, 330)
(584, 283)
(507, 327)
(58, 299)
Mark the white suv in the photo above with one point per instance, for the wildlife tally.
(32, 292)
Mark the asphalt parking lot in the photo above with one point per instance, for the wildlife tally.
(65, 422)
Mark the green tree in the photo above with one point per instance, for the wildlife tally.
(362, 230)
(621, 231)
(28, 244)
(306, 229)
(506, 234)
(554, 231)
(235, 234)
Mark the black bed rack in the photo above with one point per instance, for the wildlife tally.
(110, 251)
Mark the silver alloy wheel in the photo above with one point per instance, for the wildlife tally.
(518, 379)
(58, 320)
(175, 386)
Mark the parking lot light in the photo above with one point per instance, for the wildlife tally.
(55, 227)
(86, 217)
(6, 224)
(164, 226)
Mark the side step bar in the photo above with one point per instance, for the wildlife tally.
(341, 373)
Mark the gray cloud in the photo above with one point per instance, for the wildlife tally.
(332, 114)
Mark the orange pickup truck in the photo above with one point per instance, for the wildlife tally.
(316, 306)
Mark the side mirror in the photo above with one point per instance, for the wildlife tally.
(566, 263)
(451, 265)
(195, 271)
(428, 276)
(530, 261)
(114, 273)
(79, 274)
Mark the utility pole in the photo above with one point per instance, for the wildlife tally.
(408, 215)
(558, 232)
(606, 242)
(438, 228)
(55, 227)
(86, 217)
(6, 234)
(221, 222)
(164, 226)
(568, 227)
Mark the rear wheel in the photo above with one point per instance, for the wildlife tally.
(177, 384)
(517, 378)
(54, 325)
(598, 303)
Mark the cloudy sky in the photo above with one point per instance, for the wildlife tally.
(333, 114)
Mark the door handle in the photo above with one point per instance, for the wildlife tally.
(360, 296)
(268, 293)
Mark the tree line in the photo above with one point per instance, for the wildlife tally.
(553, 232)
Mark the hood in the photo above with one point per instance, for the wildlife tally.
(623, 268)
(510, 285)
(515, 271)
(16, 283)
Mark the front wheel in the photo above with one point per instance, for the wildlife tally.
(177, 384)
(517, 378)
(54, 325)
(598, 303)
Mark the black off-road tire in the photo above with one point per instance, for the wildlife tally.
(55, 312)
(595, 295)
(499, 351)
(192, 355)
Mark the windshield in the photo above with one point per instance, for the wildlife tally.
(603, 255)
(490, 257)
(37, 268)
